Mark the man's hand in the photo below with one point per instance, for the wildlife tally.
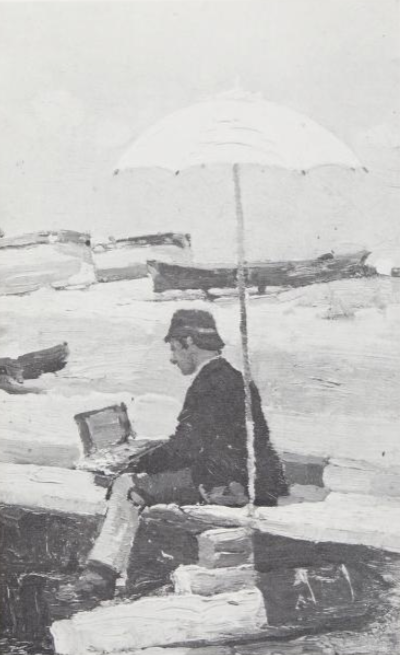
(136, 499)
(126, 486)
(231, 496)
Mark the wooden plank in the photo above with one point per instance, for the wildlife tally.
(340, 518)
(225, 547)
(362, 478)
(51, 489)
(195, 519)
(153, 622)
(194, 579)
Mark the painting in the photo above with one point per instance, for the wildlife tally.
(200, 310)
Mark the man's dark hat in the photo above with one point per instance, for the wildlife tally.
(198, 324)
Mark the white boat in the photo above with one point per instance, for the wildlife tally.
(49, 258)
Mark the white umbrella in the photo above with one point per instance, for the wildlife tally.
(238, 129)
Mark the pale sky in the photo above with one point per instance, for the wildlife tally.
(79, 81)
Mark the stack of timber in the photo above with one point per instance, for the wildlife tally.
(126, 259)
(48, 258)
(295, 571)
(34, 503)
(290, 569)
(309, 567)
(326, 268)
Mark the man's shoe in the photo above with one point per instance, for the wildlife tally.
(95, 584)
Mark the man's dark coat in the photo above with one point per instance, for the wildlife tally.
(210, 437)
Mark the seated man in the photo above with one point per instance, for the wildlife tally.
(205, 460)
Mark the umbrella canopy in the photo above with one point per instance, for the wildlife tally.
(234, 129)
(238, 129)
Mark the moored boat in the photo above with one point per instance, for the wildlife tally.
(296, 273)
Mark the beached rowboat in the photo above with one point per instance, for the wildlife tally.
(325, 268)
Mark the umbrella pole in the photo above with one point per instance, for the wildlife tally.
(241, 282)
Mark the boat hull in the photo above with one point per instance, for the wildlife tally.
(327, 268)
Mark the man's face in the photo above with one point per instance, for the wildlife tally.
(182, 357)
